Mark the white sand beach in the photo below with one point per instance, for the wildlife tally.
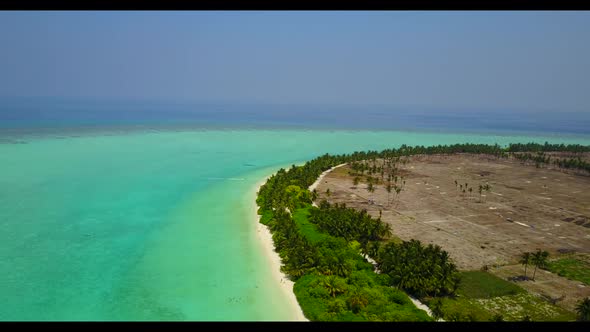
(274, 259)
(265, 237)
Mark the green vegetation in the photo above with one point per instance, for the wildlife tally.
(265, 217)
(535, 147)
(525, 260)
(340, 221)
(333, 281)
(483, 285)
(539, 259)
(482, 296)
(321, 248)
(523, 152)
(363, 296)
(307, 229)
(571, 268)
(420, 270)
(482, 187)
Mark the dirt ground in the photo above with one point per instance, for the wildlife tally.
(527, 208)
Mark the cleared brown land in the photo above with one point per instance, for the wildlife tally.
(528, 208)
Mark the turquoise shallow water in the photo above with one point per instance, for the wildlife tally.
(155, 225)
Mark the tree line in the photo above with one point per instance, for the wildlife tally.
(536, 147)
(540, 158)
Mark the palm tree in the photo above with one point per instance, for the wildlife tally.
(397, 191)
(540, 260)
(333, 285)
(341, 266)
(487, 188)
(525, 259)
(436, 309)
(373, 249)
(388, 188)
(357, 301)
(314, 195)
(384, 230)
(583, 310)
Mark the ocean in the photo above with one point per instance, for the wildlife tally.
(154, 220)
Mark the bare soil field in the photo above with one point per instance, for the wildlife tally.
(527, 208)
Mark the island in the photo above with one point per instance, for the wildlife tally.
(466, 232)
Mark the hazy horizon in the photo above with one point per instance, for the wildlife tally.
(526, 62)
(36, 113)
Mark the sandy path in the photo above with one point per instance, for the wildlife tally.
(317, 182)
(414, 300)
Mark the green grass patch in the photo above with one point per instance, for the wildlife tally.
(482, 295)
(510, 307)
(571, 268)
(306, 228)
(481, 285)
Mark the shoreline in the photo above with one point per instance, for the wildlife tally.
(265, 239)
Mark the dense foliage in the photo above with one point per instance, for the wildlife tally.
(363, 296)
(535, 147)
(348, 223)
(333, 281)
(420, 270)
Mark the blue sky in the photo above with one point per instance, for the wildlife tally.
(534, 61)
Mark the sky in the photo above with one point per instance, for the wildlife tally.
(534, 61)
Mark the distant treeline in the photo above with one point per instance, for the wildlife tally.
(535, 147)
(537, 153)
(540, 158)
(321, 247)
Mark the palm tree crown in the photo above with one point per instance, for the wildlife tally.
(583, 310)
